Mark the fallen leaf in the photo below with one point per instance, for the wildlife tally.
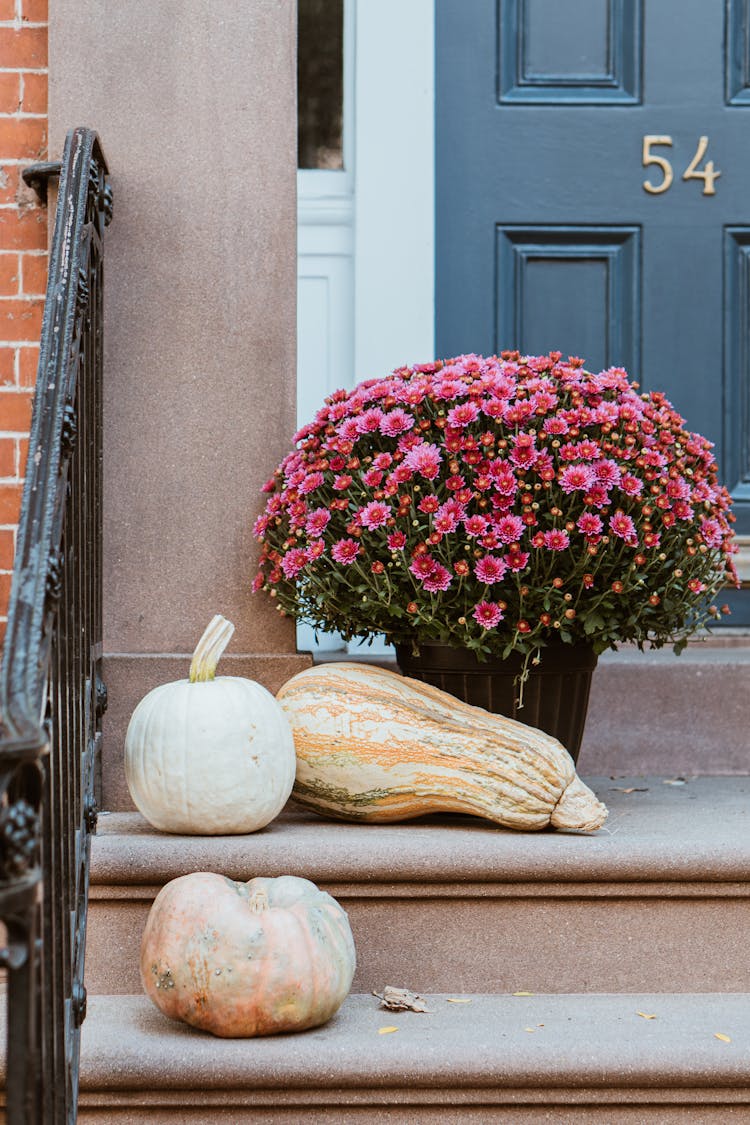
(529, 1029)
(386, 1030)
(457, 1000)
(524, 994)
(724, 1038)
(401, 1000)
(673, 781)
(646, 1015)
(540, 1025)
(632, 789)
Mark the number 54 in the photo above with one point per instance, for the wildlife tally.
(693, 171)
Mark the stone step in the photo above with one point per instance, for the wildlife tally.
(657, 901)
(654, 712)
(500, 1058)
(649, 712)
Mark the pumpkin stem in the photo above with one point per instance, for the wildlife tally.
(209, 649)
(258, 901)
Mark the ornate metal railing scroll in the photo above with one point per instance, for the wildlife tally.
(51, 693)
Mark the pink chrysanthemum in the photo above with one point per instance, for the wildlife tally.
(345, 551)
(576, 478)
(373, 515)
(424, 459)
(488, 614)
(311, 482)
(476, 525)
(438, 580)
(597, 496)
(711, 533)
(293, 561)
(590, 525)
(395, 422)
(509, 529)
(370, 420)
(503, 477)
(556, 539)
(517, 560)
(682, 510)
(317, 521)
(446, 519)
(428, 504)
(373, 478)
(477, 456)
(607, 472)
(422, 566)
(678, 489)
(490, 569)
(463, 414)
(623, 527)
(630, 485)
(524, 452)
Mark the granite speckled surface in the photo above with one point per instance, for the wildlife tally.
(663, 829)
(658, 900)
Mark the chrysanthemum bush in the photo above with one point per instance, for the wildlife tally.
(497, 504)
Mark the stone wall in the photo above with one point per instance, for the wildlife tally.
(194, 102)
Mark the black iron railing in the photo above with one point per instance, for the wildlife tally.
(51, 693)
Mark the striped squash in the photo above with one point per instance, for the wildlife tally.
(373, 746)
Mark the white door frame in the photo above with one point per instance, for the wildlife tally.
(366, 235)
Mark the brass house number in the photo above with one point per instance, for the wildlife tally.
(707, 173)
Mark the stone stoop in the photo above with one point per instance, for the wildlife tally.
(551, 1058)
(648, 915)
(654, 712)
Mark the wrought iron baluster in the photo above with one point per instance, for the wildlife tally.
(51, 691)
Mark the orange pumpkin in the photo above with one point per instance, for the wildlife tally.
(243, 959)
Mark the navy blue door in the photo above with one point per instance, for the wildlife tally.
(593, 195)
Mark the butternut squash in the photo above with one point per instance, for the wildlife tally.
(374, 746)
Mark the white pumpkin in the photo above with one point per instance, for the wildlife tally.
(209, 755)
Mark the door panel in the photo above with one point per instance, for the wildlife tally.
(547, 236)
(569, 51)
(578, 281)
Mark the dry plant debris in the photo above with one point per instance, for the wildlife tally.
(401, 1000)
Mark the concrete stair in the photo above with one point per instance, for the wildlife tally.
(552, 1058)
(650, 915)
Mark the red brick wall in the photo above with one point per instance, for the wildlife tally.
(23, 244)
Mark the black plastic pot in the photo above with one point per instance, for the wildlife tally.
(555, 695)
